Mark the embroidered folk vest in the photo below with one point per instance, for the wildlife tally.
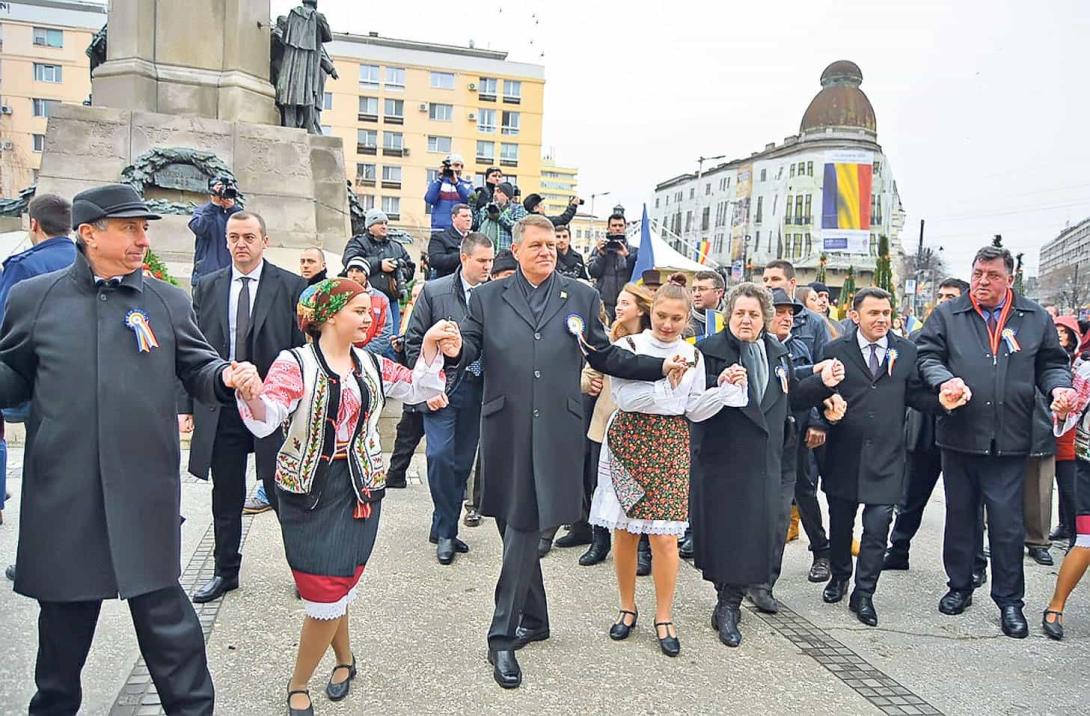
(304, 458)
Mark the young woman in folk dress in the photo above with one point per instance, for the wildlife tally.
(330, 474)
(643, 476)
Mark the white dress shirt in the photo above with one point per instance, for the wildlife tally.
(232, 302)
(864, 346)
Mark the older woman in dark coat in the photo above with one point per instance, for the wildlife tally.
(736, 454)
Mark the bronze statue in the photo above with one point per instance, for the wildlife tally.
(300, 64)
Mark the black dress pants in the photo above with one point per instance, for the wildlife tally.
(783, 517)
(410, 431)
(999, 482)
(230, 451)
(807, 502)
(923, 470)
(170, 641)
(520, 590)
(872, 545)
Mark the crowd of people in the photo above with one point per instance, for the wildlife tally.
(657, 420)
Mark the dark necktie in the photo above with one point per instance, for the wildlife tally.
(873, 363)
(993, 321)
(242, 320)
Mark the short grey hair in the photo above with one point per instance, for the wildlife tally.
(532, 220)
(752, 290)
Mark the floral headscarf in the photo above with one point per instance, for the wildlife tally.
(320, 302)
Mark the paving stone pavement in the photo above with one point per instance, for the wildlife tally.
(418, 632)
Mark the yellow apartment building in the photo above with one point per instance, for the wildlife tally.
(558, 185)
(402, 106)
(42, 63)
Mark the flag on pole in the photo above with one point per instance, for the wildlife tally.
(714, 322)
(645, 258)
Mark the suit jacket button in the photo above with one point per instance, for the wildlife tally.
(537, 373)
(102, 297)
(537, 413)
(537, 336)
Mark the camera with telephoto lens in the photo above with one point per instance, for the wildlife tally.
(401, 284)
(447, 171)
(228, 187)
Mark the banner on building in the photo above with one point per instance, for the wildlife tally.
(846, 201)
(743, 188)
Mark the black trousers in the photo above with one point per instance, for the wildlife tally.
(410, 431)
(807, 502)
(923, 469)
(230, 451)
(1065, 482)
(872, 545)
(998, 482)
(170, 641)
(520, 590)
(783, 517)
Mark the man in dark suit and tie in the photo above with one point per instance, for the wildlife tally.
(532, 331)
(864, 459)
(247, 313)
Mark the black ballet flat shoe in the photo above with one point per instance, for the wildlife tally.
(669, 644)
(337, 691)
(308, 711)
(621, 630)
(1053, 629)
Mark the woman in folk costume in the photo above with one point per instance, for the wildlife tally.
(330, 471)
(643, 475)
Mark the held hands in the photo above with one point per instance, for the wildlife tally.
(438, 402)
(954, 394)
(185, 423)
(734, 374)
(674, 368)
(596, 385)
(1063, 401)
(832, 373)
(445, 337)
(834, 408)
(814, 437)
(244, 378)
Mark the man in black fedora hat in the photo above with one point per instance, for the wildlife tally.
(99, 348)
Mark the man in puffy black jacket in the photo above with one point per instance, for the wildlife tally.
(445, 247)
(569, 262)
(386, 258)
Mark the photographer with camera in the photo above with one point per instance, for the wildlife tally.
(500, 214)
(535, 204)
(612, 263)
(209, 225)
(448, 189)
(391, 267)
(493, 176)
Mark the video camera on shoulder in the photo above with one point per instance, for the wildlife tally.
(447, 170)
(615, 242)
(227, 187)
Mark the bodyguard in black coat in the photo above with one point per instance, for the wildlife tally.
(445, 247)
(864, 458)
(528, 331)
(221, 443)
(737, 454)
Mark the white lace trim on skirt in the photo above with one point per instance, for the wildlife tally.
(326, 611)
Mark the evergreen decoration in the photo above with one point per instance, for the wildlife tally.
(883, 270)
(822, 262)
(847, 291)
(1018, 274)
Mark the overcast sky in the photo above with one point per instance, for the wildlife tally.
(983, 105)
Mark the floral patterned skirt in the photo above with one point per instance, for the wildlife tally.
(643, 478)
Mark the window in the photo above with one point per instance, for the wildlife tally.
(656, 202)
(809, 246)
(787, 216)
(756, 242)
(367, 201)
(327, 129)
(440, 112)
(708, 189)
(433, 174)
(39, 142)
(802, 166)
(43, 107)
(764, 175)
(512, 91)
(442, 80)
(875, 209)
(487, 89)
(809, 169)
(760, 209)
(486, 151)
(688, 221)
(509, 155)
(391, 206)
(779, 173)
(394, 111)
(48, 37)
(798, 208)
(366, 141)
(391, 177)
(775, 202)
(723, 184)
(327, 100)
(393, 143)
(808, 217)
(365, 174)
(692, 192)
(791, 173)
(369, 108)
(705, 219)
(873, 248)
(395, 78)
(510, 123)
(439, 144)
(486, 121)
(877, 168)
(47, 73)
(667, 200)
(369, 75)
(798, 246)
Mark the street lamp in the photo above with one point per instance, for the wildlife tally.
(595, 196)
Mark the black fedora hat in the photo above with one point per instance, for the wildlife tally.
(780, 298)
(111, 201)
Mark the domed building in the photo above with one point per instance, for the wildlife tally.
(823, 196)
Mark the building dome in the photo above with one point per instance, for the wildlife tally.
(840, 103)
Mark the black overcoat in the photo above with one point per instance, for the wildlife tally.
(532, 428)
(274, 327)
(864, 456)
(101, 491)
(736, 466)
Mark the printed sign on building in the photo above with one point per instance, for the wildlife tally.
(846, 201)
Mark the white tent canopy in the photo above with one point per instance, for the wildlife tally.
(666, 257)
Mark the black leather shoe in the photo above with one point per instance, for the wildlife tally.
(1053, 629)
(725, 620)
(214, 589)
(577, 536)
(10, 572)
(544, 546)
(669, 644)
(685, 548)
(525, 636)
(472, 518)
(834, 591)
(308, 711)
(820, 570)
(337, 691)
(863, 606)
(397, 484)
(980, 578)
(506, 669)
(1013, 622)
(444, 551)
(622, 628)
(599, 548)
(1041, 555)
(955, 602)
(764, 601)
(1060, 534)
(459, 546)
(643, 560)
(895, 561)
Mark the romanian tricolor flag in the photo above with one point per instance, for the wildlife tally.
(714, 322)
(846, 196)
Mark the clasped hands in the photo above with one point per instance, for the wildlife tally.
(445, 337)
(954, 393)
(244, 378)
(674, 367)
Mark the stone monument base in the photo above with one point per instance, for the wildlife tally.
(295, 180)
